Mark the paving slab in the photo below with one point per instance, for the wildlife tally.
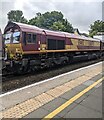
(83, 112)
(73, 92)
(97, 86)
(69, 94)
(96, 77)
(81, 99)
(97, 93)
(39, 113)
(90, 91)
(80, 87)
(100, 87)
(93, 102)
(66, 110)
(88, 83)
(54, 104)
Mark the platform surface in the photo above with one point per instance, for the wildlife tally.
(77, 94)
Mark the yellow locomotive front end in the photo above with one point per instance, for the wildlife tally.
(13, 49)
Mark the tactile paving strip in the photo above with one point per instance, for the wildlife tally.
(44, 98)
(55, 92)
(30, 105)
(14, 112)
(63, 88)
(77, 81)
(94, 72)
(82, 79)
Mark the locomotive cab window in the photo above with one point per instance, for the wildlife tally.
(7, 38)
(12, 37)
(30, 38)
(16, 37)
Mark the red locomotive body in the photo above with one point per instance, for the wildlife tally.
(30, 47)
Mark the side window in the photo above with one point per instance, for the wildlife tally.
(34, 38)
(30, 38)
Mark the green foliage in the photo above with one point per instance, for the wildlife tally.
(16, 16)
(68, 26)
(51, 20)
(97, 26)
(58, 26)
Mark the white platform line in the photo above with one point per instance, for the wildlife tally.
(34, 84)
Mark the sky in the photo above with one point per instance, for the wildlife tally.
(80, 13)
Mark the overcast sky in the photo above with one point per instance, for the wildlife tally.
(80, 14)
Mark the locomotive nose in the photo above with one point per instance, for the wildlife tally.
(11, 50)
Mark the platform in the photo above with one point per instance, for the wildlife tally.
(76, 94)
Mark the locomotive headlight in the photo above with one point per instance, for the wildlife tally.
(18, 55)
(17, 50)
(43, 48)
(39, 48)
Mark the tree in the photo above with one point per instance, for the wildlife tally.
(16, 16)
(51, 20)
(68, 26)
(58, 26)
(97, 26)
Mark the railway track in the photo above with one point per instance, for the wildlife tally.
(12, 82)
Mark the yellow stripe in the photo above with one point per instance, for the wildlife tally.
(70, 101)
(67, 50)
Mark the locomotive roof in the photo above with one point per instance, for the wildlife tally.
(31, 28)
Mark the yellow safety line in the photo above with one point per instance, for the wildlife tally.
(70, 101)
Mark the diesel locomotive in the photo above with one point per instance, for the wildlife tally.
(28, 47)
